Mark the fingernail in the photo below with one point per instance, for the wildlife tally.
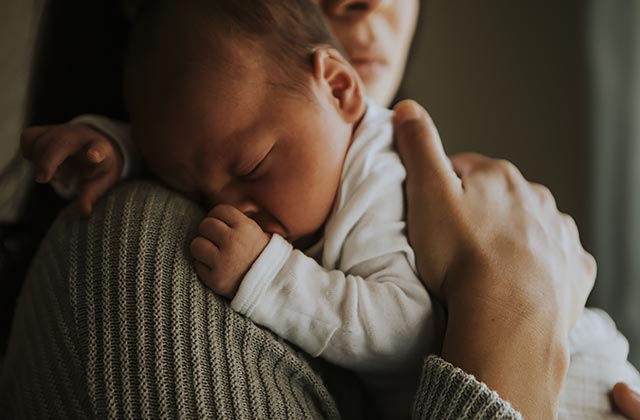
(94, 155)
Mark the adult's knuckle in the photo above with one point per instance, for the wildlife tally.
(544, 193)
(570, 224)
(590, 264)
(508, 169)
(568, 220)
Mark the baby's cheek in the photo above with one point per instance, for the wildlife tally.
(307, 216)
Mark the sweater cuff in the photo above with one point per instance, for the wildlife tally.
(261, 275)
(448, 392)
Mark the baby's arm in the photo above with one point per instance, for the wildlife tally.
(371, 314)
(85, 157)
(377, 320)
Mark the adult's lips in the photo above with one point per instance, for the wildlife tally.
(369, 67)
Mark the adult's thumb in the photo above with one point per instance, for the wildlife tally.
(419, 145)
(626, 400)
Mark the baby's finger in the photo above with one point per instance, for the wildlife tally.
(204, 251)
(202, 270)
(228, 214)
(92, 189)
(29, 136)
(96, 152)
(214, 230)
(56, 146)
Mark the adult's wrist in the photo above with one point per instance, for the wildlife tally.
(523, 358)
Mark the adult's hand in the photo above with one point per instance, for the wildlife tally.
(507, 264)
(626, 400)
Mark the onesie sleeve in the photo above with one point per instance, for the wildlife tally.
(116, 131)
(362, 306)
(371, 314)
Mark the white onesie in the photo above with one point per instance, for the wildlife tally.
(355, 298)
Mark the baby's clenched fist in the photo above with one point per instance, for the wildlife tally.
(227, 244)
(74, 151)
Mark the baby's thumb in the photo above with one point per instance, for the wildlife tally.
(419, 145)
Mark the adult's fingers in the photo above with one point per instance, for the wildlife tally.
(627, 401)
(467, 164)
(418, 142)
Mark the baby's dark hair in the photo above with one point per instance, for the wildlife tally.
(286, 31)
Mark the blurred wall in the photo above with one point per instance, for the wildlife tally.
(509, 79)
(503, 78)
(19, 20)
(17, 34)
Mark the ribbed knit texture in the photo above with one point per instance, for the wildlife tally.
(447, 392)
(113, 323)
(134, 333)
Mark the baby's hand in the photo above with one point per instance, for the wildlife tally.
(74, 150)
(228, 242)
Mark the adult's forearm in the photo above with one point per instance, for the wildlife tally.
(520, 358)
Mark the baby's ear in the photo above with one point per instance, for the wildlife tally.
(332, 70)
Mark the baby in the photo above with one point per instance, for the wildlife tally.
(249, 107)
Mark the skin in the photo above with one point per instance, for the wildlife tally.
(376, 35)
(379, 32)
(489, 221)
(265, 159)
(626, 400)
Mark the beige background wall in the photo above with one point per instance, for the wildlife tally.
(17, 24)
(504, 78)
(509, 79)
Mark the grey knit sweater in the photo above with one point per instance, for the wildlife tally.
(112, 322)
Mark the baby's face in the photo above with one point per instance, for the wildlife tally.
(229, 136)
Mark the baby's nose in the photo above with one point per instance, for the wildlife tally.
(236, 197)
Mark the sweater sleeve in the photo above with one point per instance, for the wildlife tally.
(119, 133)
(447, 392)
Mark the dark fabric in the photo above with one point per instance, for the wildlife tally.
(76, 69)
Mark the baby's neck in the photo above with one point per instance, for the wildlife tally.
(311, 239)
